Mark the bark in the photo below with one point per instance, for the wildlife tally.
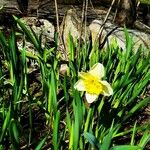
(126, 14)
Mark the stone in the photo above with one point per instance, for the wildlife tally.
(72, 25)
(40, 26)
(139, 38)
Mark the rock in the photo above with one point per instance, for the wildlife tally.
(63, 69)
(72, 24)
(139, 38)
(40, 26)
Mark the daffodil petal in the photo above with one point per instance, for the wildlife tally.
(97, 70)
(79, 85)
(90, 97)
(84, 75)
(107, 89)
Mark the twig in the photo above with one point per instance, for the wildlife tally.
(86, 7)
(106, 37)
(116, 11)
(58, 29)
(82, 19)
(57, 17)
(93, 8)
(106, 17)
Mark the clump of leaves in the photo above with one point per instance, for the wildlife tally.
(68, 120)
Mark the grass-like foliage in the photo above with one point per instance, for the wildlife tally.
(41, 109)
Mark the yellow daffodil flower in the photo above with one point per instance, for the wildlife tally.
(92, 83)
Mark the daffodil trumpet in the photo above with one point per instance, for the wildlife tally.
(91, 82)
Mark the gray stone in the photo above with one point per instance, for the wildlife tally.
(72, 24)
(139, 38)
(40, 26)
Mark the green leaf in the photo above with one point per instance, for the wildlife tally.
(140, 85)
(1, 147)
(92, 139)
(70, 47)
(145, 2)
(55, 130)
(140, 105)
(14, 132)
(126, 147)
(68, 121)
(133, 134)
(145, 139)
(129, 44)
(107, 139)
(3, 40)
(5, 125)
(29, 33)
(53, 88)
(41, 144)
(13, 52)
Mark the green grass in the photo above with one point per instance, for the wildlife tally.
(49, 113)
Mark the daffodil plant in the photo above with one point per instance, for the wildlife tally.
(67, 123)
(91, 82)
